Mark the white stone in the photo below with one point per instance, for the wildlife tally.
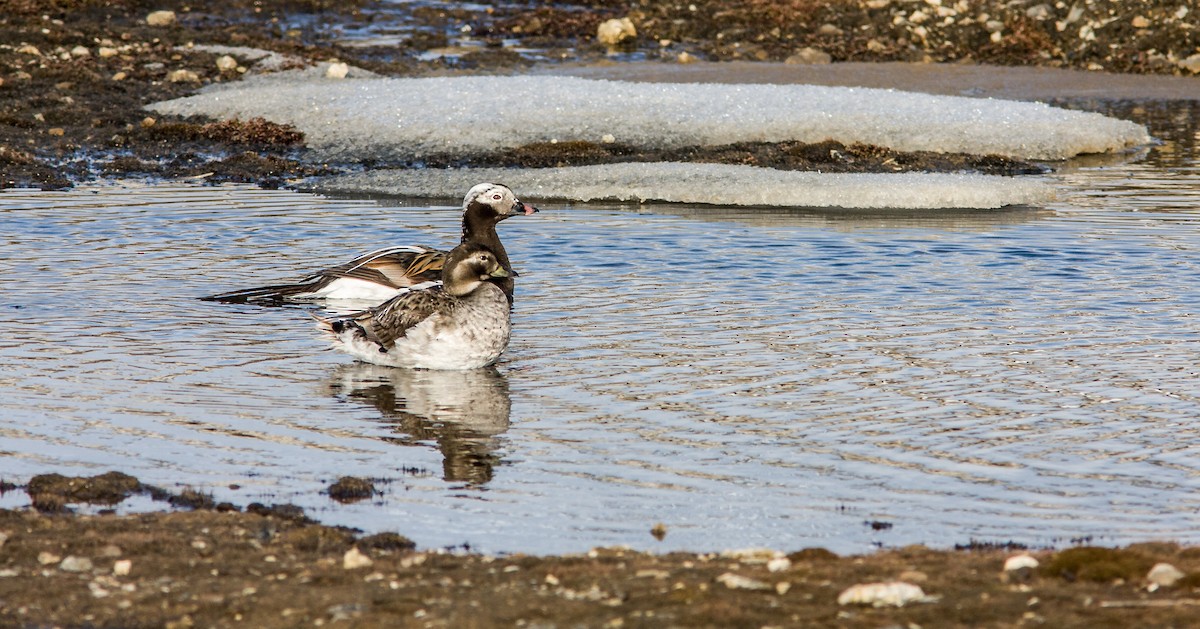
(354, 559)
(226, 63)
(890, 594)
(738, 582)
(81, 51)
(615, 31)
(1018, 562)
(1191, 64)
(337, 70)
(71, 563)
(46, 558)
(1164, 575)
(106, 52)
(809, 56)
(779, 564)
(161, 18)
(121, 567)
(183, 76)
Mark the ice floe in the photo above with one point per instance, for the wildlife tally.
(716, 184)
(394, 118)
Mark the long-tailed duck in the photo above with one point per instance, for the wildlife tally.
(382, 274)
(462, 323)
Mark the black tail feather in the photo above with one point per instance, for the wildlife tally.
(269, 295)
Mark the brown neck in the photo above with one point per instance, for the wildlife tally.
(479, 226)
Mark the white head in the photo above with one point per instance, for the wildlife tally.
(495, 199)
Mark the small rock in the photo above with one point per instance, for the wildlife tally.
(1140, 22)
(28, 49)
(148, 122)
(354, 559)
(183, 76)
(46, 558)
(106, 52)
(1018, 562)
(1038, 12)
(81, 51)
(751, 555)
(829, 29)
(809, 56)
(1163, 575)
(75, 564)
(119, 76)
(685, 57)
(337, 70)
(59, 131)
(161, 18)
(894, 594)
(738, 582)
(225, 63)
(1191, 64)
(779, 564)
(782, 587)
(615, 32)
(121, 567)
(659, 531)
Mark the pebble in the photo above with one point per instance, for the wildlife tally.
(893, 594)
(1191, 64)
(225, 63)
(75, 564)
(81, 51)
(183, 76)
(107, 51)
(354, 559)
(160, 18)
(615, 31)
(59, 131)
(1018, 562)
(738, 582)
(809, 56)
(119, 76)
(46, 558)
(1140, 22)
(337, 70)
(122, 567)
(28, 49)
(685, 57)
(1163, 575)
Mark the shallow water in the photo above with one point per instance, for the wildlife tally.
(746, 377)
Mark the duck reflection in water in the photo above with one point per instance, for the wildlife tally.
(463, 411)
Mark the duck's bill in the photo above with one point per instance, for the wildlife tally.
(502, 272)
(524, 208)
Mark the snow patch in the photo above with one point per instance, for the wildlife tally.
(391, 118)
(713, 184)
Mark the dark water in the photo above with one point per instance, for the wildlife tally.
(747, 377)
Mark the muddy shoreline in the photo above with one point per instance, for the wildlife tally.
(75, 75)
(203, 564)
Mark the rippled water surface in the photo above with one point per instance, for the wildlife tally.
(746, 377)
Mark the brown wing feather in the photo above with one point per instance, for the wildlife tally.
(394, 318)
(393, 269)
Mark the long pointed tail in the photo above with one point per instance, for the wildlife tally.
(269, 295)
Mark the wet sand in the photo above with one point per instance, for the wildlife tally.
(75, 75)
